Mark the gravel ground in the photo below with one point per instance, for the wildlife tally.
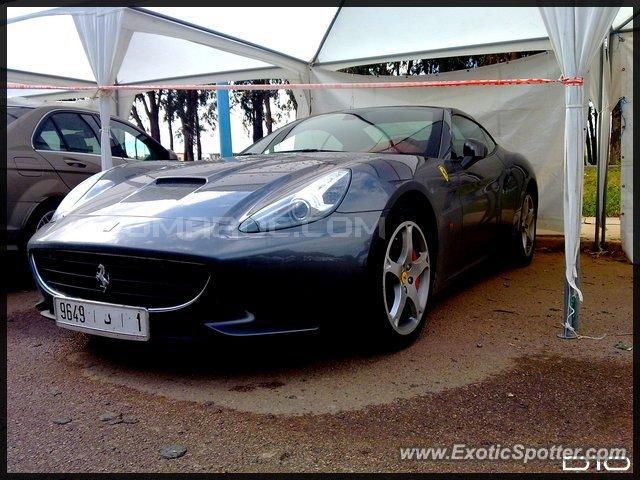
(487, 368)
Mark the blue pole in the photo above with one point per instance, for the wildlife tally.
(224, 123)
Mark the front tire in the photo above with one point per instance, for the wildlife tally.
(403, 277)
(38, 219)
(42, 216)
(524, 239)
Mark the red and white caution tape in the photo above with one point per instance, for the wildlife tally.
(308, 86)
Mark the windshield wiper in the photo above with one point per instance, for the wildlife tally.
(308, 150)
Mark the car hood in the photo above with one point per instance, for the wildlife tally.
(214, 190)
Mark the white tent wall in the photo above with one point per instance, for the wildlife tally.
(622, 87)
(526, 118)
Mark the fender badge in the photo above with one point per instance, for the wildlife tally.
(444, 172)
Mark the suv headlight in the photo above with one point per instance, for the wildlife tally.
(311, 202)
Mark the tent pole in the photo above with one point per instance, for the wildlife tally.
(224, 123)
(603, 220)
(116, 101)
(571, 318)
(599, 204)
(596, 236)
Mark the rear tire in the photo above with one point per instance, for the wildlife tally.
(39, 218)
(402, 273)
(524, 239)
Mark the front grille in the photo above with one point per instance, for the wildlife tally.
(137, 281)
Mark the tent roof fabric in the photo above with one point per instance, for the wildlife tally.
(294, 31)
(443, 30)
(230, 43)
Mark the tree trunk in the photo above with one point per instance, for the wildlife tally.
(191, 113)
(169, 103)
(136, 117)
(198, 139)
(154, 114)
(258, 115)
(186, 114)
(188, 148)
(170, 123)
(152, 109)
(268, 120)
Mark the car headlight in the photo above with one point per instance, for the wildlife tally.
(310, 203)
(83, 191)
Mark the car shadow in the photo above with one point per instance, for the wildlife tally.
(17, 276)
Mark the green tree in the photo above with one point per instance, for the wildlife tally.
(186, 111)
(169, 105)
(257, 106)
(196, 111)
(207, 116)
(430, 66)
(151, 103)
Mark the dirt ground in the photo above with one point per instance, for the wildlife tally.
(487, 369)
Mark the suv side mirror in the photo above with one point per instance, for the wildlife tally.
(473, 151)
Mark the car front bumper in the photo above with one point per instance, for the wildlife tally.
(293, 280)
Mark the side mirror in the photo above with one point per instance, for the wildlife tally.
(473, 151)
(172, 155)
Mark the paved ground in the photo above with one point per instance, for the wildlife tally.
(587, 229)
(487, 369)
(612, 226)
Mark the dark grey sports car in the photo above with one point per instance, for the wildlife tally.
(349, 218)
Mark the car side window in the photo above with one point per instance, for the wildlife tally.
(462, 129)
(132, 144)
(77, 135)
(91, 120)
(48, 138)
(489, 141)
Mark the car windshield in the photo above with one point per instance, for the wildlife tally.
(399, 130)
(13, 113)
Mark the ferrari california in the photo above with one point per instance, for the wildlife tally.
(351, 219)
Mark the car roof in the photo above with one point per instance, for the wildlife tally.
(55, 106)
(385, 107)
(62, 106)
(453, 111)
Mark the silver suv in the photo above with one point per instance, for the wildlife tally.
(50, 149)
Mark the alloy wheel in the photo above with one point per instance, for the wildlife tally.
(528, 226)
(44, 219)
(406, 277)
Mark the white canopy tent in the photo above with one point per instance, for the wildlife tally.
(133, 46)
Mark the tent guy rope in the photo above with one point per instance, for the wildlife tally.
(308, 86)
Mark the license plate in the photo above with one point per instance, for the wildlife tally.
(117, 321)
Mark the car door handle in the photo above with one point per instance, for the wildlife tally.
(75, 163)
